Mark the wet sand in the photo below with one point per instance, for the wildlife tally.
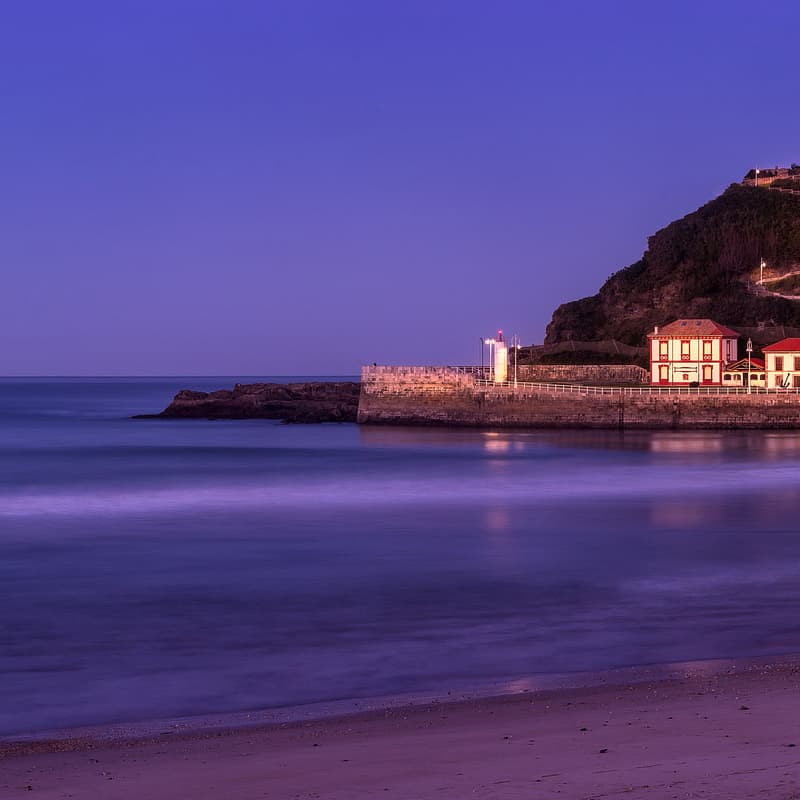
(716, 732)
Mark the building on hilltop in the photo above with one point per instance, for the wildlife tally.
(691, 352)
(765, 177)
(783, 364)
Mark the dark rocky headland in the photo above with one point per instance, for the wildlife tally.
(319, 401)
(704, 265)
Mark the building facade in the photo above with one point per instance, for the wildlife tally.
(782, 366)
(745, 372)
(691, 352)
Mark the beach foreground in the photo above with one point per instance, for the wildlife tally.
(728, 732)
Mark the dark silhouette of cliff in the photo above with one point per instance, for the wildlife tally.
(704, 265)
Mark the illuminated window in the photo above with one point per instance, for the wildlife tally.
(663, 349)
(706, 349)
(685, 349)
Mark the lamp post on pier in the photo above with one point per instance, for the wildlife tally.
(749, 349)
(481, 338)
(763, 264)
(491, 342)
(515, 346)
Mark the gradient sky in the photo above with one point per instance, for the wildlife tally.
(301, 187)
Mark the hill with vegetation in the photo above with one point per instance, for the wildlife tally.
(704, 265)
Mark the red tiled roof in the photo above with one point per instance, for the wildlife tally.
(755, 363)
(783, 346)
(695, 327)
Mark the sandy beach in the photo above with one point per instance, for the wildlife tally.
(730, 731)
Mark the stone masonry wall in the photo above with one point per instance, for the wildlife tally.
(585, 374)
(436, 396)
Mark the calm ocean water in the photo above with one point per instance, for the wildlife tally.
(159, 568)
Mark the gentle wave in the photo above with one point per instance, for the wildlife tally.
(577, 485)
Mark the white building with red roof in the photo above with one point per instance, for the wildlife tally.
(783, 364)
(691, 352)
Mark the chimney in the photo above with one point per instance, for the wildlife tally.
(655, 330)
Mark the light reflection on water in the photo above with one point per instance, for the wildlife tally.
(164, 568)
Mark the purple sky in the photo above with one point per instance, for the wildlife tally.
(302, 187)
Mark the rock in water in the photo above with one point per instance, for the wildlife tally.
(320, 401)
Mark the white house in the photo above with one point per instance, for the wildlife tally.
(783, 364)
(691, 352)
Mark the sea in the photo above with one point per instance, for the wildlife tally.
(152, 569)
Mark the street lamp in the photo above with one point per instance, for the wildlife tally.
(515, 346)
(763, 264)
(757, 171)
(481, 338)
(491, 343)
(749, 349)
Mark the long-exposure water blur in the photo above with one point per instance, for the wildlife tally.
(151, 568)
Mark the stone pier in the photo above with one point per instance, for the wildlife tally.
(445, 396)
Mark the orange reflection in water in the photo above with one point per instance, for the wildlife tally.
(497, 445)
(687, 443)
(675, 513)
(498, 520)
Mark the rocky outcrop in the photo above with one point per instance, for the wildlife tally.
(704, 265)
(319, 401)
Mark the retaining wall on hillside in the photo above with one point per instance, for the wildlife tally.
(587, 374)
(437, 396)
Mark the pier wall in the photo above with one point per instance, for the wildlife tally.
(437, 396)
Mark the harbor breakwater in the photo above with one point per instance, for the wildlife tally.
(448, 396)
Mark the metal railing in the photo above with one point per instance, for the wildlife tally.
(573, 388)
(482, 377)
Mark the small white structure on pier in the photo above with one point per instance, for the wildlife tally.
(500, 359)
